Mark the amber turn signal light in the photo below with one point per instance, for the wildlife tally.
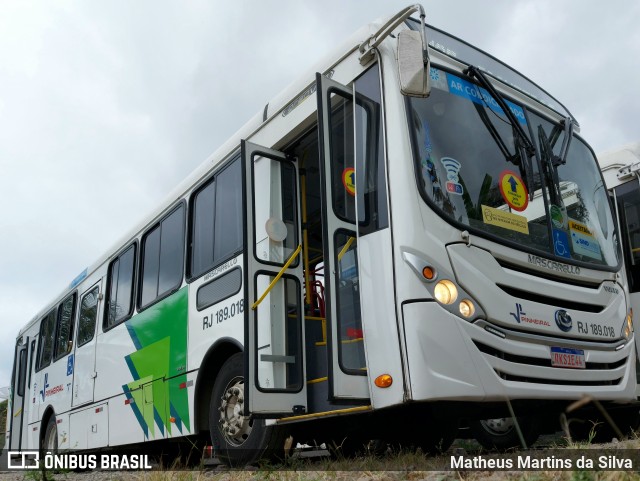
(384, 380)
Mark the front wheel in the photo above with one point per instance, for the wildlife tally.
(239, 439)
(501, 433)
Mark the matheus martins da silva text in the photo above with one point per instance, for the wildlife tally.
(549, 462)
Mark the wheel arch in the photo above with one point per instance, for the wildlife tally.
(213, 360)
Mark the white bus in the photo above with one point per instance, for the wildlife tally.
(621, 172)
(358, 262)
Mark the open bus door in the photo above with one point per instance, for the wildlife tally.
(18, 391)
(273, 278)
(347, 363)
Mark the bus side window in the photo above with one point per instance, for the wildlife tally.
(216, 221)
(88, 315)
(47, 333)
(120, 288)
(64, 336)
(162, 258)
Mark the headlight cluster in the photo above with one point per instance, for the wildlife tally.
(445, 291)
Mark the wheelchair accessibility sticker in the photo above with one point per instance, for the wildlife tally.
(561, 243)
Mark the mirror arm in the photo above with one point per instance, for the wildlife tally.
(368, 47)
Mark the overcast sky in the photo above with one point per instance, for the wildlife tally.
(106, 106)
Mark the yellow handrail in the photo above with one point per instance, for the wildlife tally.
(346, 247)
(277, 277)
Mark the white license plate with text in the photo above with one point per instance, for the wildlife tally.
(567, 357)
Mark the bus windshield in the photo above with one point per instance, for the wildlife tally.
(474, 170)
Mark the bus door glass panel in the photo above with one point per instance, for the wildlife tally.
(347, 365)
(279, 343)
(274, 332)
(83, 364)
(18, 384)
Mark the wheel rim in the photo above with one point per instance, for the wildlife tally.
(498, 426)
(233, 424)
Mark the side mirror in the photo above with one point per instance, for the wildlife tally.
(413, 64)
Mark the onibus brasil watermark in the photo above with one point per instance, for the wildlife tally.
(33, 460)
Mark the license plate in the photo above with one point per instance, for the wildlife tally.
(567, 357)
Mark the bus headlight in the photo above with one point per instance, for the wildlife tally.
(467, 309)
(627, 327)
(445, 292)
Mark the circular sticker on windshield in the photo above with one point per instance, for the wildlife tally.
(349, 180)
(557, 217)
(513, 190)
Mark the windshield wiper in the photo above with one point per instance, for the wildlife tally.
(523, 144)
(567, 128)
(552, 161)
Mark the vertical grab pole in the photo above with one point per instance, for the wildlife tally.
(305, 239)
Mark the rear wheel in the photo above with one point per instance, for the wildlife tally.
(239, 439)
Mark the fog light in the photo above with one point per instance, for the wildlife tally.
(467, 308)
(445, 292)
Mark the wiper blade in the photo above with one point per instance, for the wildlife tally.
(525, 145)
(561, 158)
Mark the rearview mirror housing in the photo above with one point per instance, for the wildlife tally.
(413, 64)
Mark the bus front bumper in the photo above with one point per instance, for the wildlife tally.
(449, 358)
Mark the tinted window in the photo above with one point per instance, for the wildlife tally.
(171, 252)
(47, 333)
(22, 366)
(64, 336)
(150, 266)
(228, 221)
(202, 246)
(88, 314)
(216, 231)
(119, 303)
(342, 158)
(371, 180)
(162, 251)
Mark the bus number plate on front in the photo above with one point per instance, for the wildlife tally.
(566, 357)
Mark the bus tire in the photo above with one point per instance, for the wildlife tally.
(50, 438)
(501, 433)
(239, 440)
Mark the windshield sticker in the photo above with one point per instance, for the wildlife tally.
(561, 243)
(438, 79)
(480, 96)
(584, 243)
(557, 217)
(349, 180)
(513, 190)
(452, 166)
(506, 220)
